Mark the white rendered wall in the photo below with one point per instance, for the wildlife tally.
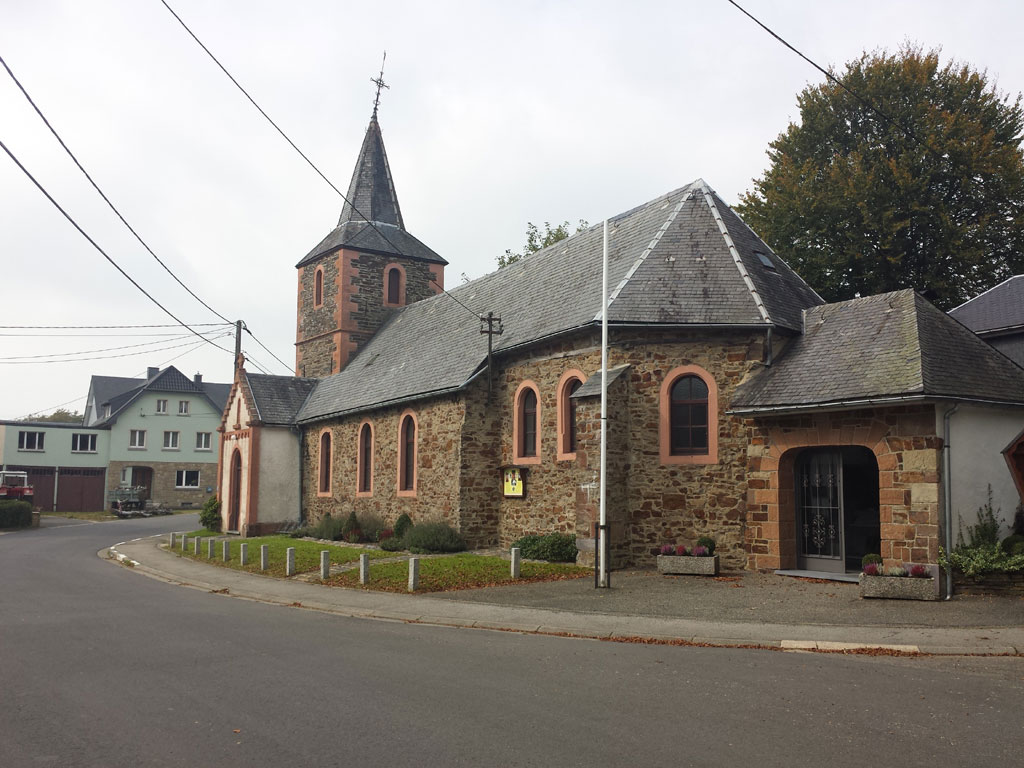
(278, 476)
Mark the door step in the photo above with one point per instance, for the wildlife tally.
(827, 575)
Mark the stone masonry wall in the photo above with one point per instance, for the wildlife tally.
(163, 491)
(439, 424)
(908, 452)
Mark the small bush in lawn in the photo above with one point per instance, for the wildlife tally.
(15, 513)
(402, 525)
(554, 547)
(354, 536)
(385, 534)
(426, 538)
(870, 558)
(209, 516)
(351, 524)
(872, 569)
(529, 546)
(371, 524)
(328, 528)
(392, 544)
(708, 543)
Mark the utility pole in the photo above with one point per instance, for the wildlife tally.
(492, 326)
(238, 340)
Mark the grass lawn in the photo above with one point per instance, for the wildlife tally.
(307, 554)
(204, 533)
(462, 571)
(101, 515)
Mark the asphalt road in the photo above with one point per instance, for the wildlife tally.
(103, 666)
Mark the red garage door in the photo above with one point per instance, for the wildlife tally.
(80, 490)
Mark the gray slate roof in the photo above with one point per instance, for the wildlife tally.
(681, 259)
(371, 197)
(278, 398)
(894, 345)
(999, 308)
(119, 392)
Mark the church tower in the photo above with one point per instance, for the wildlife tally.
(368, 266)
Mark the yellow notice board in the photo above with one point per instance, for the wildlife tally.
(513, 481)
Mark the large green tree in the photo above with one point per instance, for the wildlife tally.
(535, 239)
(929, 194)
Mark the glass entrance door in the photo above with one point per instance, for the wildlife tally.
(819, 496)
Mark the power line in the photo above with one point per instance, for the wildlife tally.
(101, 194)
(177, 337)
(104, 253)
(67, 327)
(102, 357)
(303, 154)
(282, 362)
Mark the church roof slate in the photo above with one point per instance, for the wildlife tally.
(1000, 308)
(891, 346)
(278, 398)
(682, 259)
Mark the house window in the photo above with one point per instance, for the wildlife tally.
(318, 287)
(324, 479)
(394, 285)
(106, 411)
(83, 443)
(137, 438)
(186, 478)
(689, 417)
(183, 407)
(161, 406)
(30, 441)
(526, 424)
(569, 383)
(170, 441)
(365, 461)
(407, 455)
(202, 441)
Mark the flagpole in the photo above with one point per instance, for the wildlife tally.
(602, 552)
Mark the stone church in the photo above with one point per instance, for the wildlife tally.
(799, 434)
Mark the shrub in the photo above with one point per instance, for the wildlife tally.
(918, 571)
(209, 516)
(554, 547)
(354, 536)
(1018, 520)
(668, 549)
(351, 524)
(872, 569)
(371, 524)
(682, 550)
(976, 561)
(385, 534)
(402, 525)
(15, 513)
(1010, 542)
(426, 538)
(870, 558)
(328, 528)
(986, 531)
(701, 551)
(708, 543)
(392, 544)
(896, 570)
(1018, 549)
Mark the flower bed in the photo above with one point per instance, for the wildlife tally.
(913, 582)
(677, 559)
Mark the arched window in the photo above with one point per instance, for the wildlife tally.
(365, 460)
(318, 287)
(407, 455)
(526, 432)
(569, 383)
(689, 417)
(394, 285)
(324, 478)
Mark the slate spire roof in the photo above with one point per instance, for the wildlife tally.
(372, 198)
(893, 346)
(683, 259)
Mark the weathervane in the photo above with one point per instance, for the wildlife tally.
(379, 82)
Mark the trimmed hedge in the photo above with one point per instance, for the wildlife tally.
(554, 547)
(15, 514)
(426, 538)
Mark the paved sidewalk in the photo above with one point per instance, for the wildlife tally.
(740, 609)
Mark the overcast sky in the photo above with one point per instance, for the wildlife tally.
(498, 114)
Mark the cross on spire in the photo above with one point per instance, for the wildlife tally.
(379, 82)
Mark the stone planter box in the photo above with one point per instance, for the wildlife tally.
(687, 565)
(899, 587)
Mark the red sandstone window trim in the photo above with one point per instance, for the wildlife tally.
(567, 413)
(318, 287)
(665, 417)
(407, 465)
(518, 454)
(325, 464)
(399, 293)
(364, 460)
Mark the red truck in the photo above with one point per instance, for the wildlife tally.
(14, 485)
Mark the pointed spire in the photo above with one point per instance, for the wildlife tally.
(371, 191)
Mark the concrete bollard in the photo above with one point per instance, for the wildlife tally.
(517, 562)
(197, 544)
(209, 548)
(184, 542)
(226, 550)
(364, 569)
(289, 562)
(325, 564)
(264, 556)
(172, 540)
(243, 552)
(414, 574)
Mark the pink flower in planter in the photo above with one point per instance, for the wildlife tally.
(668, 549)
(872, 569)
(681, 550)
(700, 552)
(918, 571)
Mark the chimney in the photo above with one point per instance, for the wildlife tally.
(151, 373)
(198, 379)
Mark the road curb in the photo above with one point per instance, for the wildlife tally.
(563, 628)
